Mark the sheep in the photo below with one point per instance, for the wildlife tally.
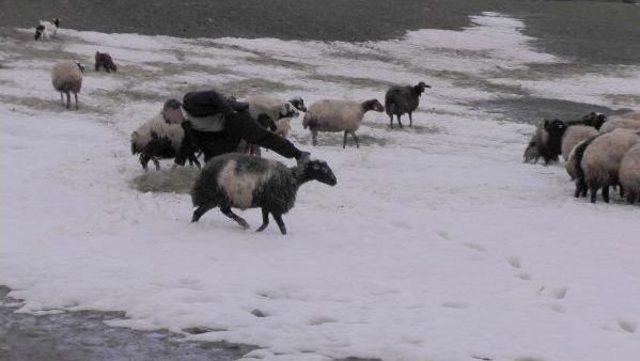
(275, 108)
(331, 115)
(629, 173)
(602, 158)
(162, 138)
(66, 78)
(241, 181)
(47, 29)
(572, 165)
(628, 121)
(546, 142)
(574, 135)
(549, 139)
(104, 60)
(403, 99)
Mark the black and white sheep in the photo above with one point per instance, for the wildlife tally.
(403, 99)
(546, 142)
(66, 78)
(105, 61)
(330, 115)
(241, 181)
(160, 138)
(629, 173)
(276, 109)
(555, 137)
(47, 29)
(601, 160)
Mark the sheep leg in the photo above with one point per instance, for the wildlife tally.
(280, 222)
(399, 122)
(156, 162)
(68, 100)
(355, 137)
(314, 137)
(76, 95)
(344, 141)
(199, 213)
(62, 98)
(605, 193)
(144, 159)
(621, 191)
(594, 192)
(391, 121)
(229, 213)
(410, 120)
(265, 220)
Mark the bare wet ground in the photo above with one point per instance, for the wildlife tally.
(84, 336)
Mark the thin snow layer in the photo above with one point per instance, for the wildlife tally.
(436, 244)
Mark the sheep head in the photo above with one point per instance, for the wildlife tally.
(287, 110)
(39, 31)
(419, 89)
(318, 170)
(372, 104)
(298, 103)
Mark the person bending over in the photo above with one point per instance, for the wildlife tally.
(218, 124)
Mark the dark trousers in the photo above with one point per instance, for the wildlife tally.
(240, 126)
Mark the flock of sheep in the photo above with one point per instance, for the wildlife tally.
(242, 180)
(599, 153)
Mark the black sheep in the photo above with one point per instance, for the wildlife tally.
(403, 99)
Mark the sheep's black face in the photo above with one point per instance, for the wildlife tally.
(422, 86)
(555, 128)
(39, 31)
(320, 171)
(298, 103)
(594, 119)
(374, 105)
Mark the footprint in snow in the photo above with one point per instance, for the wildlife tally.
(627, 325)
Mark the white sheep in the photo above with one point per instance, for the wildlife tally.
(330, 115)
(574, 135)
(627, 121)
(66, 78)
(47, 29)
(601, 160)
(276, 109)
(160, 138)
(629, 173)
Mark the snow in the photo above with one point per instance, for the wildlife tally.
(437, 243)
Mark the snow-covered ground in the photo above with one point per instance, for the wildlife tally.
(436, 244)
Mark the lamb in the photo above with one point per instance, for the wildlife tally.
(574, 135)
(66, 78)
(331, 115)
(162, 138)
(104, 60)
(602, 158)
(241, 181)
(629, 173)
(403, 99)
(47, 29)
